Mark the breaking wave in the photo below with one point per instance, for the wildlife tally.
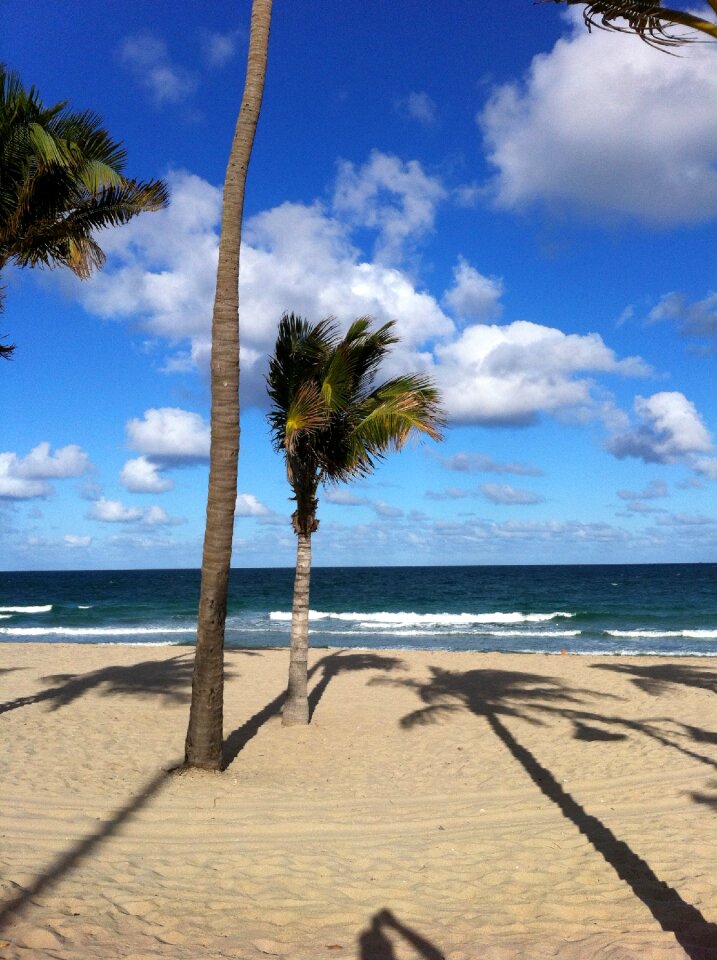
(380, 621)
(46, 608)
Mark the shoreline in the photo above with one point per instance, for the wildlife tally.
(594, 654)
(479, 805)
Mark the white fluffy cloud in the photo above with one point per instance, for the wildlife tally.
(22, 478)
(42, 464)
(300, 257)
(114, 511)
(250, 506)
(397, 199)
(669, 430)
(605, 124)
(163, 268)
(473, 296)
(17, 488)
(509, 374)
(142, 476)
(170, 435)
(167, 437)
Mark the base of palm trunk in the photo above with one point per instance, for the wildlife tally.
(295, 713)
(189, 767)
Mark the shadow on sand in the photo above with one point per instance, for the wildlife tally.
(84, 848)
(495, 694)
(330, 667)
(170, 679)
(658, 678)
(375, 944)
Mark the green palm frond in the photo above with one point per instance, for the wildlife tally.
(326, 416)
(400, 408)
(306, 414)
(300, 349)
(61, 182)
(652, 22)
(97, 176)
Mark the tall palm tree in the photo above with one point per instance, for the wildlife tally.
(649, 20)
(332, 424)
(203, 745)
(61, 180)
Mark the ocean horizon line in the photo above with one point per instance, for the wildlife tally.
(383, 566)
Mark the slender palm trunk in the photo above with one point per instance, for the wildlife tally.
(203, 746)
(296, 709)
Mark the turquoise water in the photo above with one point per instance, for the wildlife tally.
(668, 609)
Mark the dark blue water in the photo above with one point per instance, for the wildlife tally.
(668, 609)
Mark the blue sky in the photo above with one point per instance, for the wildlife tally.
(534, 205)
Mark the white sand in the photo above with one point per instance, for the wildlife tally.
(499, 806)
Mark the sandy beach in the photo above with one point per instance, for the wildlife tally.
(466, 806)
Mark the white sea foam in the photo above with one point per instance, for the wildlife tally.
(656, 634)
(143, 643)
(5, 616)
(500, 634)
(535, 633)
(90, 631)
(379, 621)
(624, 653)
(43, 609)
(84, 606)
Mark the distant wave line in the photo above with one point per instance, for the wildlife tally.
(46, 608)
(655, 634)
(90, 631)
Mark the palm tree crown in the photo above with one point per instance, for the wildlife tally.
(647, 18)
(327, 418)
(60, 181)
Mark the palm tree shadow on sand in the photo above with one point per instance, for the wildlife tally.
(494, 694)
(374, 944)
(659, 678)
(330, 666)
(169, 679)
(81, 850)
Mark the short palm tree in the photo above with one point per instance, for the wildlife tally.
(61, 180)
(649, 20)
(332, 424)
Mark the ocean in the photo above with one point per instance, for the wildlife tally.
(656, 609)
